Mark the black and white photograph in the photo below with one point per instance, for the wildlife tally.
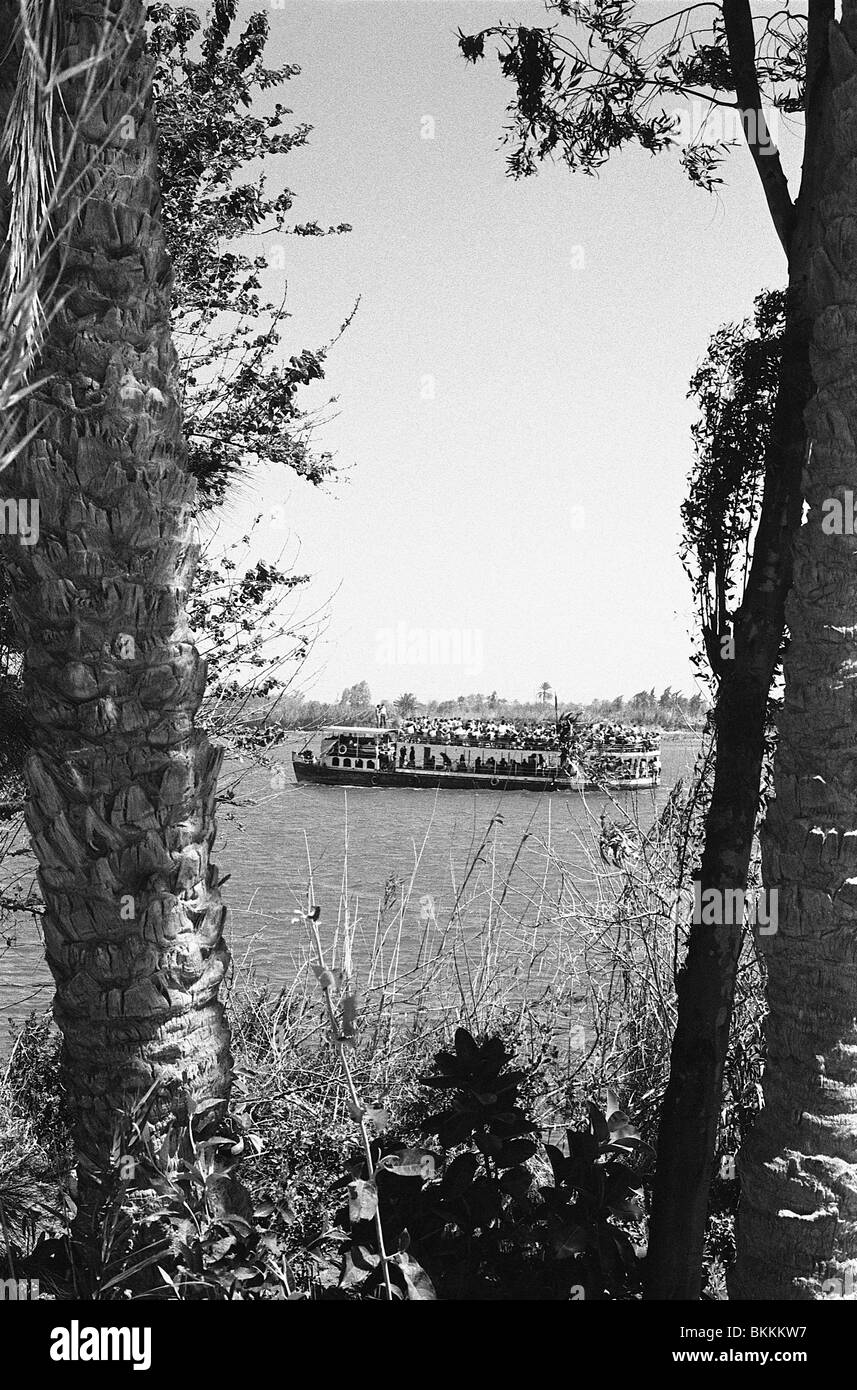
(428, 674)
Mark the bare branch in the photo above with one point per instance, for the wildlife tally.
(740, 37)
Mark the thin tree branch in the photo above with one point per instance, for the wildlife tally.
(741, 41)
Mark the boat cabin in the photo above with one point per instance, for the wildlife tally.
(348, 745)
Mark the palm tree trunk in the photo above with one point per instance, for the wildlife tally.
(121, 784)
(797, 1227)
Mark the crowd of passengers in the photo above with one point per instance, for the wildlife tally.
(576, 738)
(603, 763)
(533, 765)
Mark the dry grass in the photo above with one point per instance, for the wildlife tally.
(576, 973)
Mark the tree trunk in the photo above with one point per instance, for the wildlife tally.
(797, 1225)
(690, 1112)
(121, 784)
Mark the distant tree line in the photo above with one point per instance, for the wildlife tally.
(668, 710)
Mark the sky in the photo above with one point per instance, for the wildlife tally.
(511, 418)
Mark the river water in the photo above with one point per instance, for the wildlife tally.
(507, 856)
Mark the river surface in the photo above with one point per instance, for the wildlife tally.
(503, 858)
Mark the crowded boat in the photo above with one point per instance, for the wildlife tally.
(567, 754)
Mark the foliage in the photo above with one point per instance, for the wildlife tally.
(240, 401)
(251, 637)
(33, 1082)
(208, 138)
(610, 78)
(734, 387)
(560, 1216)
(27, 1189)
(549, 1212)
(358, 696)
(668, 710)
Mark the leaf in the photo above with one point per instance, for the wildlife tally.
(598, 1124)
(450, 1127)
(621, 1127)
(350, 1272)
(465, 1046)
(624, 1148)
(447, 1062)
(286, 1211)
(516, 1151)
(419, 1286)
(362, 1199)
(628, 1204)
(275, 1244)
(364, 1258)
(627, 1252)
(219, 1248)
(326, 978)
(494, 1054)
(170, 1281)
(128, 1271)
(557, 1161)
(349, 1013)
(354, 1171)
(511, 1123)
(410, 1163)
(449, 1081)
(460, 1173)
(517, 1182)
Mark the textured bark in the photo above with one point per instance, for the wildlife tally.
(690, 1111)
(798, 1212)
(121, 784)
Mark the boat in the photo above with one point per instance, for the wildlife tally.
(551, 759)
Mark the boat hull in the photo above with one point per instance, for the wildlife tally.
(322, 775)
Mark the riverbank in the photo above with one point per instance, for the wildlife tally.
(592, 1015)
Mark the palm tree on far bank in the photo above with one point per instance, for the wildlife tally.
(121, 784)
(406, 704)
(545, 692)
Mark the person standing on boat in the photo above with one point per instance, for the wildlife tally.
(381, 714)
